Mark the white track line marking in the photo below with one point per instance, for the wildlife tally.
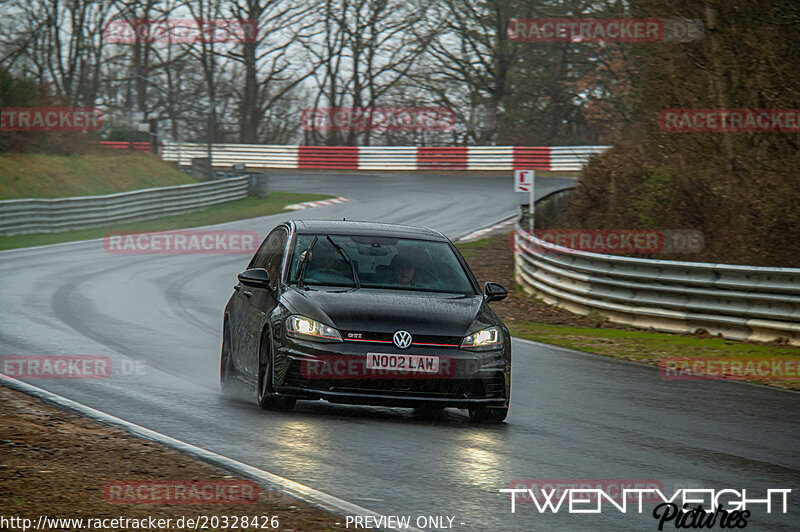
(311, 204)
(305, 493)
(480, 233)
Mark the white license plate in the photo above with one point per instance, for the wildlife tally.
(406, 363)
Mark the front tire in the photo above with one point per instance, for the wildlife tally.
(488, 415)
(228, 382)
(265, 394)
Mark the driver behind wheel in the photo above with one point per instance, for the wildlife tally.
(402, 271)
(324, 259)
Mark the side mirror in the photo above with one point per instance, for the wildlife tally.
(255, 277)
(494, 292)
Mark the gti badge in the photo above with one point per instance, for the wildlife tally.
(402, 339)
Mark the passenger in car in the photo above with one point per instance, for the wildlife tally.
(402, 271)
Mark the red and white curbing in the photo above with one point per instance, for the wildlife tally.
(311, 204)
(390, 158)
(480, 233)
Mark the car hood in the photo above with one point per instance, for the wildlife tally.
(372, 310)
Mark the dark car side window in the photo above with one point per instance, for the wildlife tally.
(260, 258)
(270, 255)
(275, 252)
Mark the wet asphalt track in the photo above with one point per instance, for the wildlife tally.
(573, 416)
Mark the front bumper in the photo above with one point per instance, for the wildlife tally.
(468, 379)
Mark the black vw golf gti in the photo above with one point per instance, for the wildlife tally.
(366, 313)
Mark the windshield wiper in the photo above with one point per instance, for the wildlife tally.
(302, 270)
(356, 280)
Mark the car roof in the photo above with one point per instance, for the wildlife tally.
(342, 227)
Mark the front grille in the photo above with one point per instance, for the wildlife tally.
(422, 340)
(496, 386)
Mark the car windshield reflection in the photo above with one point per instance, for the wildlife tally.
(379, 262)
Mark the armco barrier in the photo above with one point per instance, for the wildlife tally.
(407, 158)
(740, 302)
(52, 215)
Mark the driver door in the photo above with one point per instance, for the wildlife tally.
(258, 303)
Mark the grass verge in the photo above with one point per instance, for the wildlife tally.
(61, 176)
(225, 212)
(470, 250)
(651, 347)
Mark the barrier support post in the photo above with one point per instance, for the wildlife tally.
(531, 202)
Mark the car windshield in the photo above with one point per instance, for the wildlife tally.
(380, 262)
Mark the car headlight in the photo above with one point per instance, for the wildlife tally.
(490, 338)
(308, 329)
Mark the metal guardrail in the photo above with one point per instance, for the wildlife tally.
(740, 302)
(23, 216)
(491, 158)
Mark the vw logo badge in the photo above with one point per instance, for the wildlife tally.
(402, 339)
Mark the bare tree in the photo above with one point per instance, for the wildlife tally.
(267, 58)
(363, 49)
(58, 43)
